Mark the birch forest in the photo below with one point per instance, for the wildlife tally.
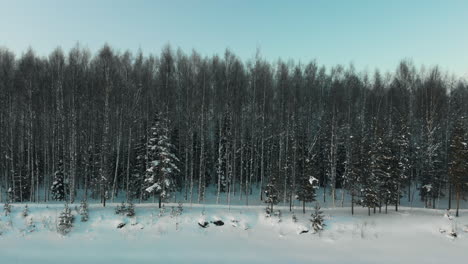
(76, 126)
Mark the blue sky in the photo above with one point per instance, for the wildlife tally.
(367, 33)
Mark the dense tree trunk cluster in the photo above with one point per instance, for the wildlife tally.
(81, 124)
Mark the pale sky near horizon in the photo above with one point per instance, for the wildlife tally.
(368, 33)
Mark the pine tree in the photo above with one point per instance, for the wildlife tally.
(432, 179)
(271, 194)
(307, 186)
(458, 169)
(352, 178)
(65, 222)
(317, 219)
(130, 209)
(384, 168)
(369, 190)
(138, 172)
(58, 185)
(84, 211)
(162, 162)
(401, 145)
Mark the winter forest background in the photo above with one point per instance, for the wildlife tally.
(78, 126)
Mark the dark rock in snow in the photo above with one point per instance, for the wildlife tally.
(304, 231)
(203, 224)
(121, 225)
(218, 223)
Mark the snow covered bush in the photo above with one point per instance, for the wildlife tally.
(180, 208)
(30, 226)
(120, 208)
(317, 220)
(267, 211)
(123, 209)
(271, 194)
(177, 211)
(130, 209)
(84, 211)
(65, 222)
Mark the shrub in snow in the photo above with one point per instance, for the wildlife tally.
(176, 211)
(120, 208)
(7, 208)
(271, 193)
(267, 211)
(180, 208)
(120, 225)
(65, 222)
(25, 211)
(30, 227)
(317, 221)
(130, 209)
(123, 209)
(83, 211)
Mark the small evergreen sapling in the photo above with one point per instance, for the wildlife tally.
(180, 208)
(84, 211)
(130, 209)
(123, 209)
(58, 185)
(30, 227)
(271, 193)
(65, 221)
(120, 208)
(317, 220)
(308, 185)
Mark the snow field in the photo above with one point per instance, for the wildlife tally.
(247, 236)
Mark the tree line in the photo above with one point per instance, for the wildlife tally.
(148, 126)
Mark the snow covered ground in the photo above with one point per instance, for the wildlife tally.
(412, 235)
